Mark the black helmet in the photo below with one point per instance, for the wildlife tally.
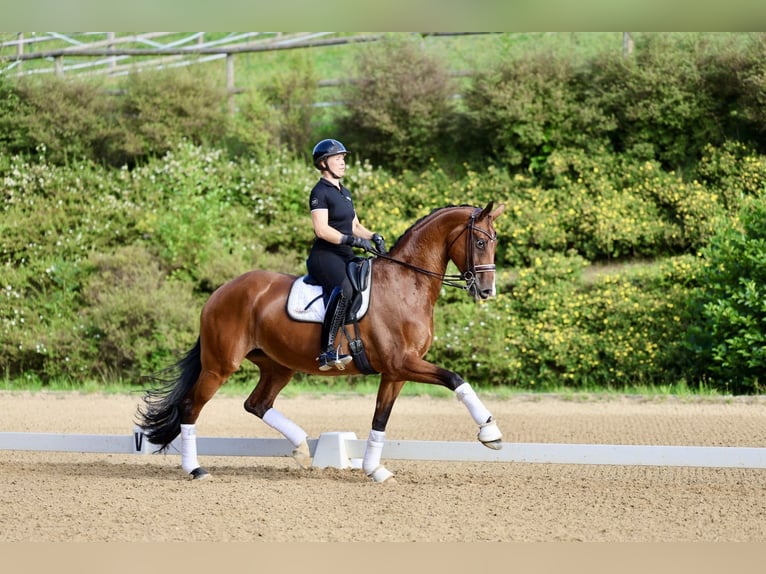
(325, 149)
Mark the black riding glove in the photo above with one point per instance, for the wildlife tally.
(380, 243)
(358, 242)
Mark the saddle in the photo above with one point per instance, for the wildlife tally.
(306, 303)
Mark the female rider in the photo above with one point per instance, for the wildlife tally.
(337, 229)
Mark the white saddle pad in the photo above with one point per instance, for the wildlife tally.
(305, 303)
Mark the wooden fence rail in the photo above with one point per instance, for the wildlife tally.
(107, 57)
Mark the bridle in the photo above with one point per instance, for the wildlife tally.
(469, 276)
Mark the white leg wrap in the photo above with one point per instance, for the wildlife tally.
(288, 428)
(467, 396)
(372, 453)
(189, 448)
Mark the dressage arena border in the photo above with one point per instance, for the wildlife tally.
(345, 450)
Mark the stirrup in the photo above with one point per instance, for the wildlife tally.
(333, 358)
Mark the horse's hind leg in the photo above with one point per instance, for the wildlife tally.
(207, 384)
(274, 378)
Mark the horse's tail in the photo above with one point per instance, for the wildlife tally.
(160, 418)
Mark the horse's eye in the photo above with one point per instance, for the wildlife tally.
(480, 243)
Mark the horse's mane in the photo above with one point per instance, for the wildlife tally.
(410, 229)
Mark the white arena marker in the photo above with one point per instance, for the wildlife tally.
(114, 444)
(703, 456)
(344, 450)
(333, 449)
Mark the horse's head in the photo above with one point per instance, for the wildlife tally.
(473, 251)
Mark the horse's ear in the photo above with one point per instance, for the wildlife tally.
(487, 211)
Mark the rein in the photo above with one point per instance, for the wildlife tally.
(451, 279)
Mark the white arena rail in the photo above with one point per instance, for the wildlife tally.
(344, 450)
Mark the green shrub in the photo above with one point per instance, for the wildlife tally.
(733, 171)
(398, 106)
(615, 207)
(729, 334)
(64, 120)
(68, 120)
(554, 329)
(103, 271)
(658, 98)
(528, 106)
(50, 212)
(39, 301)
(157, 111)
(135, 317)
(14, 136)
(253, 131)
(743, 90)
(292, 94)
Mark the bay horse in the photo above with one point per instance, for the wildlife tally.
(246, 318)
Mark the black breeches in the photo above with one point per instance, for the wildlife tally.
(329, 269)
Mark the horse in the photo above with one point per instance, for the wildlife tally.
(246, 318)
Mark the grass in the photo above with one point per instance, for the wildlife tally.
(368, 386)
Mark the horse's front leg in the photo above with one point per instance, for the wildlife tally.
(388, 391)
(489, 433)
(419, 370)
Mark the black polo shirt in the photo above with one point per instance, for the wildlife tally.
(340, 211)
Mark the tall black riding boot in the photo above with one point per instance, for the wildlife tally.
(334, 317)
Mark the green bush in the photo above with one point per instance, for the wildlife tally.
(136, 318)
(103, 271)
(733, 171)
(674, 95)
(40, 302)
(181, 224)
(528, 107)
(292, 94)
(658, 99)
(14, 137)
(157, 111)
(729, 335)
(69, 120)
(736, 78)
(398, 106)
(61, 119)
(253, 130)
(50, 212)
(553, 328)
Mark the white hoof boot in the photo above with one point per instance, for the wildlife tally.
(382, 474)
(490, 435)
(301, 455)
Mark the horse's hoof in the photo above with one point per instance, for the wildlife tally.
(302, 456)
(489, 434)
(382, 474)
(199, 473)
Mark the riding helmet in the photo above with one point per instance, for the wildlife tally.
(325, 149)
